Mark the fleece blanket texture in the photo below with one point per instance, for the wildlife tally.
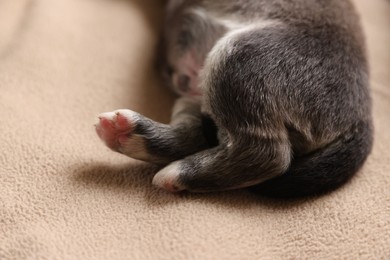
(64, 195)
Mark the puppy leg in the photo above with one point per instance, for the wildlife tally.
(254, 143)
(225, 168)
(139, 137)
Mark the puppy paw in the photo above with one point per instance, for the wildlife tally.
(168, 178)
(116, 130)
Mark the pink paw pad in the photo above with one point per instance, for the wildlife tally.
(122, 123)
(115, 127)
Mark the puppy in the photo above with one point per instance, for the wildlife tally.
(274, 95)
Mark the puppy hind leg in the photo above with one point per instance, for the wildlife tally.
(223, 168)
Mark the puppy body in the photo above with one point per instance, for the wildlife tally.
(275, 96)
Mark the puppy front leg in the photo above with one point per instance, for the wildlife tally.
(141, 138)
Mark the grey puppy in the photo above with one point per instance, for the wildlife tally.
(275, 95)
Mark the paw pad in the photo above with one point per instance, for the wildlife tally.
(115, 128)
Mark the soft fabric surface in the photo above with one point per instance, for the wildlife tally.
(64, 195)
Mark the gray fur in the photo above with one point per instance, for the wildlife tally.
(284, 82)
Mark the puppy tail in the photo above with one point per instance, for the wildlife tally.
(323, 170)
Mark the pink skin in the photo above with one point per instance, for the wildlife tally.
(114, 132)
(171, 187)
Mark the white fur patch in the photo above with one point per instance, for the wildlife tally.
(167, 178)
(134, 147)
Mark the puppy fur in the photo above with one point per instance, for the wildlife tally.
(275, 96)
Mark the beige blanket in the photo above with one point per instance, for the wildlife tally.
(64, 195)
